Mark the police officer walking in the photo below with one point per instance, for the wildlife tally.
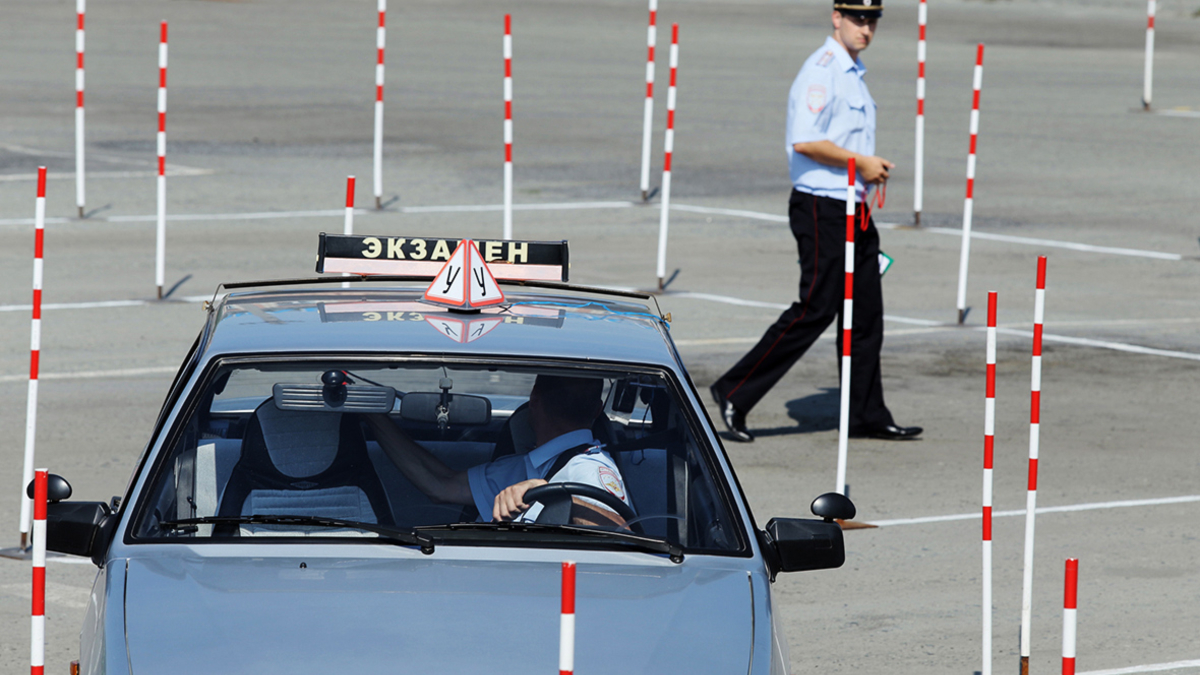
(831, 118)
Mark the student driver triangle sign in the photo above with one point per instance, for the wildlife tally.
(465, 280)
(484, 289)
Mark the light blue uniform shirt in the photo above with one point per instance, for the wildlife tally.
(490, 479)
(829, 101)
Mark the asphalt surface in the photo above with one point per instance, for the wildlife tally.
(270, 109)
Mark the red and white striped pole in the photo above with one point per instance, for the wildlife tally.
(968, 205)
(1148, 75)
(989, 431)
(80, 7)
(919, 169)
(1070, 599)
(566, 633)
(35, 350)
(37, 646)
(380, 40)
(160, 250)
(508, 130)
(348, 224)
(668, 149)
(1035, 405)
(648, 113)
(847, 324)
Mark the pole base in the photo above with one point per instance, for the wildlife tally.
(962, 315)
(1024, 665)
(379, 202)
(81, 214)
(160, 292)
(22, 552)
(1146, 106)
(645, 195)
(916, 218)
(855, 525)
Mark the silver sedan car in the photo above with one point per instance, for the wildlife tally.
(324, 491)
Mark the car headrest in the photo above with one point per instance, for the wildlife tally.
(299, 443)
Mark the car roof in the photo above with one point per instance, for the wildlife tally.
(369, 319)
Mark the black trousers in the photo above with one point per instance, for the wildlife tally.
(819, 225)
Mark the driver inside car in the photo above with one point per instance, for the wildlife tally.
(561, 413)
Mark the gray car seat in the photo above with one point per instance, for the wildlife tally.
(305, 463)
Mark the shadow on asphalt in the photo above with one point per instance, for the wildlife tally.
(813, 413)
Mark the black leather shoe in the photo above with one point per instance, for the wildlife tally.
(890, 432)
(735, 420)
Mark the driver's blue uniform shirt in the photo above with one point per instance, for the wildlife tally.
(829, 101)
(490, 479)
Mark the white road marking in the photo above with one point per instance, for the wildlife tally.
(975, 234)
(557, 206)
(1101, 344)
(1148, 668)
(1129, 503)
(94, 374)
(325, 213)
(829, 334)
(553, 206)
(98, 304)
(70, 560)
(725, 299)
(1177, 113)
(1050, 243)
(755, 215)
(1046, 337)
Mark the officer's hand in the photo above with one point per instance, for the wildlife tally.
(508, 503)
(873, 169)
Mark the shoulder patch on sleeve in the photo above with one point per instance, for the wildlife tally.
(825, 59)
(610, 481)
(816, 97)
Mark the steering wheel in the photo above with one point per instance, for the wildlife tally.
(556, 501)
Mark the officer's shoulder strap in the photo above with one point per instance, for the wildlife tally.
(565, 457)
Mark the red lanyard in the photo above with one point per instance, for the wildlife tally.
(879, 198)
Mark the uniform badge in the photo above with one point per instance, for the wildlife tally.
(816, 97)
(825, 59)
(611, 483)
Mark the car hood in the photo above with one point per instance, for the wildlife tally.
(192, 614)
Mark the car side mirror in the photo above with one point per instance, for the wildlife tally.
(79, 528)
(57, 488)
(798, 544)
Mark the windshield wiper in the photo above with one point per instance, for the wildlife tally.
(407, 537)
(650, 544)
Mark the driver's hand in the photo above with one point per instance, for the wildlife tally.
(508, 503)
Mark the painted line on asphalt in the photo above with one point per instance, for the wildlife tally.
(1071, 508)
(94, 374)
(975, 234)
(1048, 337)
(1148, 668)
(326, 213)
(1177, 112)
(1053, 243)
(729, 300)
(568, 206)
(101, 304)
(829, 334)
(740, 213)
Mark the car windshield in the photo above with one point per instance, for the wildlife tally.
(325, 449)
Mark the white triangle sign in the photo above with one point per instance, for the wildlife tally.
(484, 289)
(450, 285)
